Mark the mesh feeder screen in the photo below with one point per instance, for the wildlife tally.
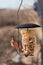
(28, 42)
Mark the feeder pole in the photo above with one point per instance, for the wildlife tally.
(18, 19)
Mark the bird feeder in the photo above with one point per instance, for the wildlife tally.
(28, 38)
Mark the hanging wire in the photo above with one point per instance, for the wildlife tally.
(18, 19)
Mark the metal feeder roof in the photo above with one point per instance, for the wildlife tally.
(27, 26)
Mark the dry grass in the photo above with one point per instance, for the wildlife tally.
(9, 17)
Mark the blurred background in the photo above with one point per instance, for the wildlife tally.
(31, 11)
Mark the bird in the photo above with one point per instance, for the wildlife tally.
(14, 43)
